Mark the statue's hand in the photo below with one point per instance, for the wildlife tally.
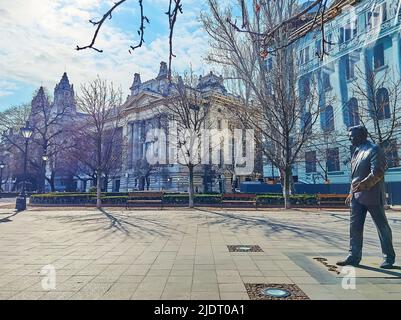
(348, 200)
(358, 187)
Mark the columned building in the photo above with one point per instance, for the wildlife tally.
(142, 113)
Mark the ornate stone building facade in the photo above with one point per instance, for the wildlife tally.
(142, 112)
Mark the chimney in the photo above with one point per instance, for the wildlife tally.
(136, 84)
(162, 71)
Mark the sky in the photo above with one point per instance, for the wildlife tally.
(39, 37)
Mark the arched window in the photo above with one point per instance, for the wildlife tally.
(353, 112)
(328, 123)
(382, 104)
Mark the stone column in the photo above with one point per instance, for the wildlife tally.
(127, 153)
(338, 82)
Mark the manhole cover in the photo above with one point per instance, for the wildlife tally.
(274, 291)
(244, 248)
(277, 293)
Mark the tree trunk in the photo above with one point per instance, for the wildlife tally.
(191, 186)
(287, 187)
(98, 189)
(42, 179)
(51, 181)
(105, 183)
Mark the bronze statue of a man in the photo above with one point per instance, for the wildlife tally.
(367, 193)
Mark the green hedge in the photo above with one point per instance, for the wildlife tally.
(278, 199)
(168, 198)
(198, 198)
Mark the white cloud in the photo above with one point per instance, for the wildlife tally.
(6, 88)
(40, 36)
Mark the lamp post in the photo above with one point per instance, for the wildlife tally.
(26, 132)
(45, 158)
(2, 166)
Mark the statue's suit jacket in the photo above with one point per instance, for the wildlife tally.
(368, 164)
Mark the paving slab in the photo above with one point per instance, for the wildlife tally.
(183, 254)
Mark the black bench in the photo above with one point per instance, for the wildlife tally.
(238, 198)
(146, 197)
(331, 200)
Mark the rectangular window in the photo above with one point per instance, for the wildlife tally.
(310, 161)
(341, 35)
(305, 86)
(333, 159)
(329, 43)
(219, 124)
(326, 81)
(349, 31)
(377, 16)
(391, 150)
(349, 68)
(318, 48)
(304, 55)
(378, 55)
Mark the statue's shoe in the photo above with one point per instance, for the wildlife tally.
(386, 264)
(348, 262)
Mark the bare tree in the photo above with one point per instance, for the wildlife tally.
(375, 103)
(320, 152)
(186, 108)
(101, 129)
(174, 8)
(307, 16)
(51, 137)
(278, 103)
(49, 134)
(12, 119)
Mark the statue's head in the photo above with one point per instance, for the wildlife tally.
(357, 135)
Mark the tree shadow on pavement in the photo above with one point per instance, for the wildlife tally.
(129, 225)
(303, 230)
(7, 219)
(389, 272)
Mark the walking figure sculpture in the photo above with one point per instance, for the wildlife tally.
(367, 193)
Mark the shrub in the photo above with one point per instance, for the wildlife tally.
(278, 199)
(76, 198)
(114, 199)
(198, 198)
(120, 198)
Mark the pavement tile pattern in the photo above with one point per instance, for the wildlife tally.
(182, 254)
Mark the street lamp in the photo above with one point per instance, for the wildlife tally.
(26, 132)
(2, 166)
(45, 158)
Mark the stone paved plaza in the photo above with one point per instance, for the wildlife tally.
(183, 254)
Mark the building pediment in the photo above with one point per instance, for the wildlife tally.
(143, 99)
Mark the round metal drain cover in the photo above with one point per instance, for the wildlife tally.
(276, 293)
(244, 248)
